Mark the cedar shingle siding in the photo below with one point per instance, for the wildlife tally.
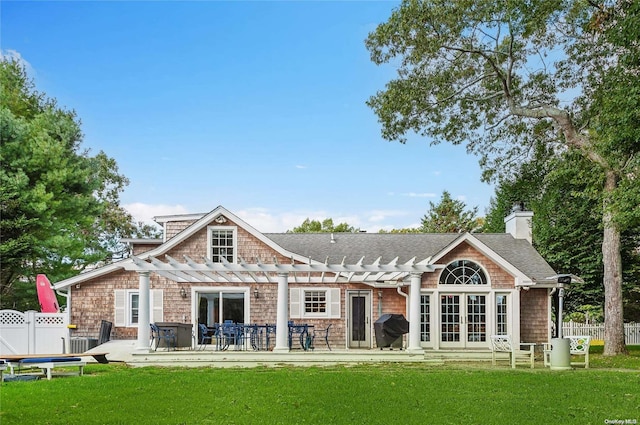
(92, 299)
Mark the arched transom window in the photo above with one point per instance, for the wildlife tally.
(463, 272)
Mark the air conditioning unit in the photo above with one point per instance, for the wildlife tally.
(80, 345)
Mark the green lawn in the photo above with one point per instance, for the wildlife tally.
(372, 394)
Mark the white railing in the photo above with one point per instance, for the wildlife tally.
(596, 331)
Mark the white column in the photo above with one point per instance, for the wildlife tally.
(513, 322)
(414, 314)
(282, 318)
(144, 313)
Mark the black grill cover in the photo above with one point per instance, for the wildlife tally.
(390, 327)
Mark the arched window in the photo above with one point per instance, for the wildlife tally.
(463, 272)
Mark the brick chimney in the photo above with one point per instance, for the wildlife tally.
(518, 223)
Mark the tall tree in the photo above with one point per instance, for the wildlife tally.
(449, 216)
(326, 226)
(495, 75)
(567, 226)
(58, 204)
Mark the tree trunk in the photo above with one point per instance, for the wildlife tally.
(612, 260)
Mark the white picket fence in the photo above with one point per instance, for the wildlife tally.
(596, 331)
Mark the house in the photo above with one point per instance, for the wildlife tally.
(455, 289)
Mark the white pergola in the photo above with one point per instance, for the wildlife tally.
(191, 271)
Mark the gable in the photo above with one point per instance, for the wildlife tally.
(499, 277)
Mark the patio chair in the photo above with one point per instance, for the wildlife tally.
(162, 334)
(227, 335)
(322, 333)
(105, 332)
(204, 335)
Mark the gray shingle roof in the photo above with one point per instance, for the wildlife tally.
(353, 246)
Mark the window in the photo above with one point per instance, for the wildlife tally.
(463, 272)
(425, 326)
(476, 318)
(134, 300)
(501, 314)
(220, 305)
(222, 244)
(314, 302)
(127, 307)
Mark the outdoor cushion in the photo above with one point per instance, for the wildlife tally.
(50, 359)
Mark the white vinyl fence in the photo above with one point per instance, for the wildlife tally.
(596, 331)
(32, 332)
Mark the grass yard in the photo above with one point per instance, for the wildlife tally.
(369, 394)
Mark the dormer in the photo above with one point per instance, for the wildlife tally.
(174, 224)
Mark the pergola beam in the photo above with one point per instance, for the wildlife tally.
(192, 271)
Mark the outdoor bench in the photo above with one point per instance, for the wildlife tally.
(578, 346)
(47, 364)
(503, 344)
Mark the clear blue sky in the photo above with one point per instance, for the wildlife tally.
(255, 106)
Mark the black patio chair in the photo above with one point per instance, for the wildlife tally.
(105, 332)
(322, 333)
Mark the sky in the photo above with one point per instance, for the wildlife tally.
(258, 106)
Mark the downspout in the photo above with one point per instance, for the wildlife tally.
(66, 344)
(406, 297)
(551, 293)
(406, 302)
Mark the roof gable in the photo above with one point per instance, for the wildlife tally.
(517, 257)
(202, 223)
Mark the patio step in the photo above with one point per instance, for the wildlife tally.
(267, 358)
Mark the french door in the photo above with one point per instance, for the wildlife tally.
(463, 320)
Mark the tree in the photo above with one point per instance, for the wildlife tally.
(494, 75)
(58, 204)
(567, 226)
(449, 216)
(327, 226)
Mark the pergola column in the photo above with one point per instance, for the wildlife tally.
(282, 317)
(143, 311)
(414, 314)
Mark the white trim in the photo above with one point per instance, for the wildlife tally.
(434, 334)
(487, 276)
(161, 219)
(509, 314)
(130, 294)
(122, 307)
(368, 295)
(520, 279)
(297, 303)
(233, 229)
(196, 290)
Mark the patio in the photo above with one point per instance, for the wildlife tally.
(125, 351)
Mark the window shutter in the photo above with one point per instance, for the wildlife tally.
(156, 310)
(120, 315)
(295, 311)
(334, 303)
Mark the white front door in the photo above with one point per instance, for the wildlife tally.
(359, 319)
(463, 320)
